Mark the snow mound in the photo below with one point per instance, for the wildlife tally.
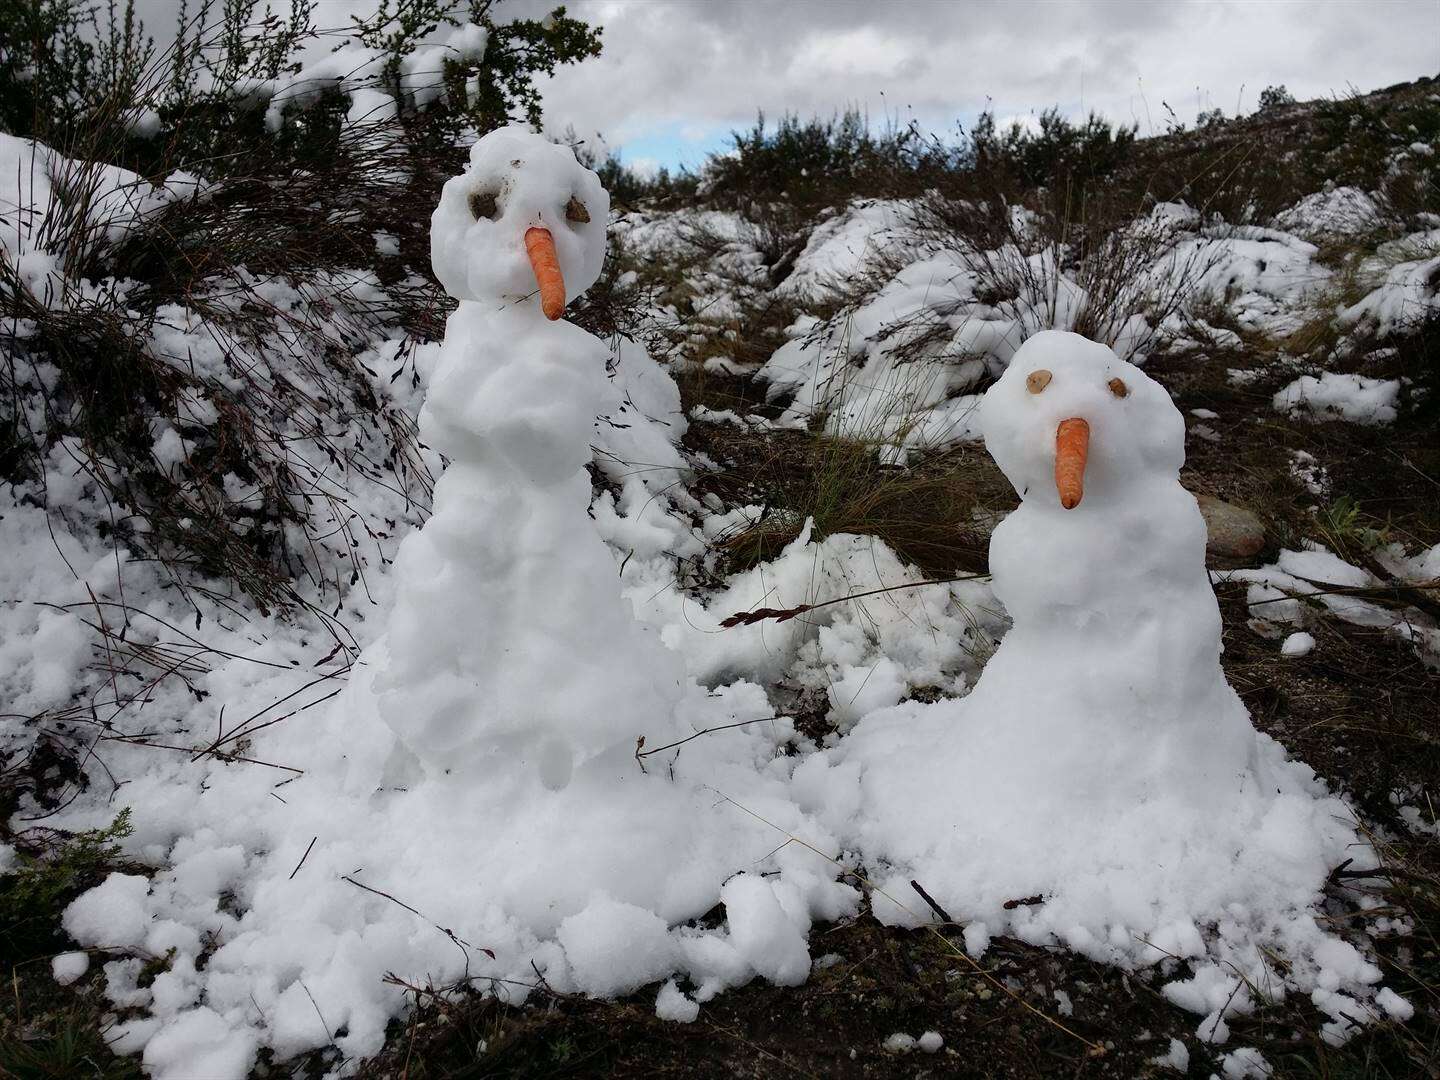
(1406, 276)
(1333, 212)
(848, 243)
(1355, 398)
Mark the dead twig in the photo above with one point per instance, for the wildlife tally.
(748, 618)
(641, 752)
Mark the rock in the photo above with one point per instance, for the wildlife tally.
(1232, 532)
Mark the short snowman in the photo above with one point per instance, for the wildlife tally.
(1101, 760)
(1111, 672)
(1101, 786)
(510, 645)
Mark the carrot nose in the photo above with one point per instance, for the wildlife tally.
(540, 246)
(1072, 446)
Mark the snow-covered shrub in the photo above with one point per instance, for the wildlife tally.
(204, 402)
(247, 81)
(945, 294)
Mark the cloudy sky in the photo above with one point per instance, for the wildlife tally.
(677, 75)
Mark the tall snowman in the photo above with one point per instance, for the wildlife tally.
(510, 645)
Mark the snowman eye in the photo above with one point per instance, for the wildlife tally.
(483, 204)
(1118, 388)
(575, 211)
(1037, 380)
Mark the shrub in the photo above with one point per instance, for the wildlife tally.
(51, 870)
(1275, 97)
(818, 163)
(1369, 141)
(1057, 155)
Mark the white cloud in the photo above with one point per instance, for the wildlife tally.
(644, 167)
(674, 63)
(863, 50)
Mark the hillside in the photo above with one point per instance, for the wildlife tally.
(219, 859)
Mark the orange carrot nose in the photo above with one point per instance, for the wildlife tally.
(1072, 446)
(540, 246)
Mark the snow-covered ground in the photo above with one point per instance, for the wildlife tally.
(319, 844)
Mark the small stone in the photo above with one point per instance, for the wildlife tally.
(1232, 532)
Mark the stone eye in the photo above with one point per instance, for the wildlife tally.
(1037, 380)
(1118, 388)
(483, 204)
(575, 211)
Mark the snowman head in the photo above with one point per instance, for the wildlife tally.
(1070, 421)
(523, 209)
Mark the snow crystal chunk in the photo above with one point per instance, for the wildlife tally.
(1177, 1057)
(1309, 472)
(1407, 289)
(1344, 963)
(170, 450)
(112, 915)
(1297, 644)
(69, 966)
(200, 1043)
(930, 1042)
(841, 247)
(1318, 564)
(766, 935)
(1213, 1029)
(862, 689)
(614, 948)
(31, 177)
(1355, 398)
(977, 939)
(1245, 1063)
(672, 1004)
(122, 984)
(899, 1043)
(1395, 1006)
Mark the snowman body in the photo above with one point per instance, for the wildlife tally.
(1111, 673)
(510, 643)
